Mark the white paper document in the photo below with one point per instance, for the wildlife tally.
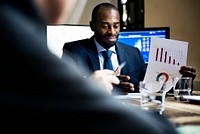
(166, 56)
(192, 97)
(128, 96)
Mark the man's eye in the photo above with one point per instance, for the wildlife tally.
(116, 26)
(105, 26)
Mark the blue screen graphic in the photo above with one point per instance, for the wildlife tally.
(142, 39)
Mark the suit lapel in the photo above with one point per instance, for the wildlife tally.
(93, 54)
(122, 56)
(94, 59)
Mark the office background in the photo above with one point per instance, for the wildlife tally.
(182, 16)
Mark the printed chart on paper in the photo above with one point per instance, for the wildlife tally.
(165, 59)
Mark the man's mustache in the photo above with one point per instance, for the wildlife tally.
(111, 36)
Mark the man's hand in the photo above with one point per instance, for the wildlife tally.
(125, 85)
(106, 79)
(188, 71)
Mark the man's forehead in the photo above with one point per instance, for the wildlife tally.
(109, 23)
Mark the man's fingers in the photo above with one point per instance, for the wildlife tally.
(124, 77)
(127, 85)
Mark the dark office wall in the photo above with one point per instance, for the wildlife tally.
(134, 9)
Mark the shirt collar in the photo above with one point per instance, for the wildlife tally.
(100, 48)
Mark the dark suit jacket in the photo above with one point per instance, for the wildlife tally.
(39, 93)
(85, 54)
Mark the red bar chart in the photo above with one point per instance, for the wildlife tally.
(165, 59)
(167, 56)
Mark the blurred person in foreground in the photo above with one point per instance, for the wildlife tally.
(57, 12)
(87, 53)
(41, 93)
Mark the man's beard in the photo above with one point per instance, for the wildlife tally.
(100, 39)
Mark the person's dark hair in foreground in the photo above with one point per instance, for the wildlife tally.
(40, 93)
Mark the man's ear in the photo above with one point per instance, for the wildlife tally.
(92, 26)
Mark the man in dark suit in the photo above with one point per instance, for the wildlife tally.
(87, 53)
(41, 93)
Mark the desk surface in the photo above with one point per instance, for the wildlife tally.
(180, 113)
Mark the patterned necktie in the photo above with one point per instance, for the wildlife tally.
(107, 59)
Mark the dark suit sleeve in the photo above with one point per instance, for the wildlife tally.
(75, 53)
(67, 51)
(143, 65)
(141, 69)
(74, 50)
(135, 66)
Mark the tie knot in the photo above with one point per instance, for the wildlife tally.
(107, 54)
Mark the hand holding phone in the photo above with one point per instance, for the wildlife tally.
(118, 70)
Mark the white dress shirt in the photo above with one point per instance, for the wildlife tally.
(114, 59)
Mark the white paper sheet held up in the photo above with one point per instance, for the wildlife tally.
(165, 59)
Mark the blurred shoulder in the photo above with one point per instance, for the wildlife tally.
(77, 43)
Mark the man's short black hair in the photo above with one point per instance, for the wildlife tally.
(101, 6)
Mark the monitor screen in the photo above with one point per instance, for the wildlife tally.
(58, 35)
(141, 38)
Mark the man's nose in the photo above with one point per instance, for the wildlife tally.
(112, 30)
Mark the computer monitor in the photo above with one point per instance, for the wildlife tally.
(141, 38)
(58, 35)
